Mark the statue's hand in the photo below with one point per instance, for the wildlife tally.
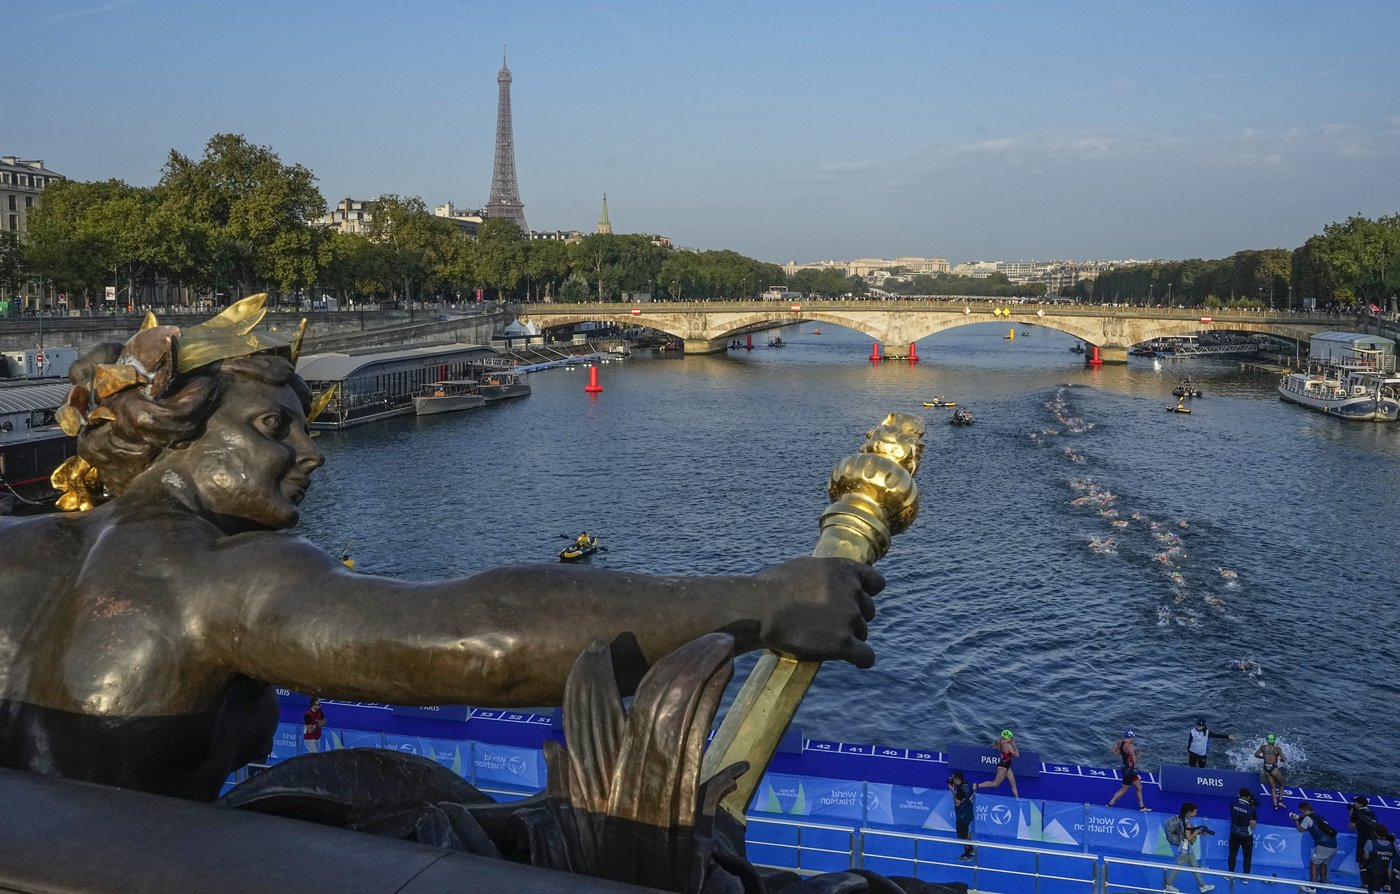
(818, 608)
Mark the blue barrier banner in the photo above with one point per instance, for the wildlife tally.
(336, 739)
(1205, 780)
(286, 742)
(1062, 823)
(878, 803)
(920, 808)
(1277, 847)
(811, 796)
(452, 754)
(460, 713)
(984, 760)
(1007, 819)
(508, 765)
(1115, 830)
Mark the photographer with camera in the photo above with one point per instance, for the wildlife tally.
(1185, 839)
(1362, 821)
(962, 811)
(1324, 838)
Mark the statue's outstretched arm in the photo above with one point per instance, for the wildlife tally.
(508, 637)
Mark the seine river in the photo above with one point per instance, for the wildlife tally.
(1250, 530)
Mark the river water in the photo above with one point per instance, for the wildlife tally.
(1249, 530)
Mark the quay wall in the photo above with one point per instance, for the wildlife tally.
(326, 330)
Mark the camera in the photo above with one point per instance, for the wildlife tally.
(1295, 817)
(1204, 830)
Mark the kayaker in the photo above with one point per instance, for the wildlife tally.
(583, 541)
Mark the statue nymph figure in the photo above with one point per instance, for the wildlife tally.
(141, 634)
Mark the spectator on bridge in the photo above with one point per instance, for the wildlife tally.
(1198, 742)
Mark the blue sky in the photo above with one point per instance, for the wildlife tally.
(786, 131)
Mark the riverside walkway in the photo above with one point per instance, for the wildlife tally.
(706, 327)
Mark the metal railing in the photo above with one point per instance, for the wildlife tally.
(797, 848)
(984, 874)
(1130, 873)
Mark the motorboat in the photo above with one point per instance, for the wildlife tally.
(447, 396)
(816, 332)
(777, 342)
(579, 550)
(1359, 394)
(961, 417)
(503, 384)
(1187, 388)
(1077, 349)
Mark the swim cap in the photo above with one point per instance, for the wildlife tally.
(1006, 734)
(1128, 734)
(1200, 723)
(1269, 738)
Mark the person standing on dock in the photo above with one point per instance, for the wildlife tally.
(1006, 748)
(962, 811)
(1198, 743)
(1126, 748)
(311, 724)
(1244, 816)
(1324, 840)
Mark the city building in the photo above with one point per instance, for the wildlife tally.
(467, 220)
(21, 181)
(604, 225)
(875, 268)
(349, 216)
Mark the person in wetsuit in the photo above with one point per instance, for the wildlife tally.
(1272, 773)
(141, 638)
(1007, 751)
(1126, 748)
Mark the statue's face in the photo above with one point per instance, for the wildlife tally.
(255, 458)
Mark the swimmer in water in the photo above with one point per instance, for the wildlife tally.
(1228, 574)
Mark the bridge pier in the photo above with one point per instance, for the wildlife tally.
(1113, 353)
(705, 345)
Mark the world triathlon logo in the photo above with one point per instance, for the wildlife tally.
(1128, 827)
(1272, 842)
(872, 801)
(517, 765)
(1000, 814)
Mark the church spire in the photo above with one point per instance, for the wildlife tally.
(604, 225)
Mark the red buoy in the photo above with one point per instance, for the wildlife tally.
(748, 346)
(913, 353)
(875, 355)
(592, 387)
(1095, 360)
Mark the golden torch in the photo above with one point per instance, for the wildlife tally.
(873, 498)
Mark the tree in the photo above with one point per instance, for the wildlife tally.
(416, 247)
(12, 264)
(547, 265)
(84, 235)
(246, 213)
(500, 255)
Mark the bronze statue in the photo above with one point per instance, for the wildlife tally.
(140, 636)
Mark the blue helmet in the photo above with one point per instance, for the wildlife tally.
(1129, 734)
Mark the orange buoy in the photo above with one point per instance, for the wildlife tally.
(592, 387)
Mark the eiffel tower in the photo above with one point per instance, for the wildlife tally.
(505, 192)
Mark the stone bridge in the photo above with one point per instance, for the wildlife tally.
(707, 327)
